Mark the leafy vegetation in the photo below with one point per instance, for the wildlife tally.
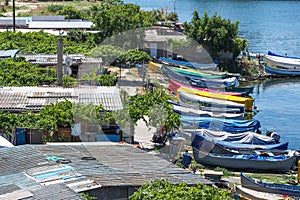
(154, 105)
(215, 34)
(165, 190)
(18, 72)
(43, 43)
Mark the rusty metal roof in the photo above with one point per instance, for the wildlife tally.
(35, 98)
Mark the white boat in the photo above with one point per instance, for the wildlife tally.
(283, 63)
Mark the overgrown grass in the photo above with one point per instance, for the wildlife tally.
(276, 178)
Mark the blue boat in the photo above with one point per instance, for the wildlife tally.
(207, 144)
(228, 125)
(274, 188)
(192, 65)
(283, 56)
(281, 163)
(277, 71)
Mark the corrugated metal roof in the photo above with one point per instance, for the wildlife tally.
(8, 53)
(60, 25)
(120, 165)
(35, 98)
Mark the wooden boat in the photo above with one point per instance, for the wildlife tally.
(246, 90)
(277, 71)
(196, 73)
(228, 125)
(199, 82)
(204, 108)
(209, 102)
(192, 65)
(174, 86)
(207, 144)
(274, 188)
(200, 113)
(280, 163)
(284, 56)
(282, 62)
(154, 67)
(248, 102)
(246, 193)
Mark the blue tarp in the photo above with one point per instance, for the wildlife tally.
(206, 144)
(192, 65)
(228, 125)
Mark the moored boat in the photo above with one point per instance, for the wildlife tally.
(192, 65)
(280, 163)
(274, 188)
(205, 108)
(282, 62)
(277, 71)
(228, 125)
(174, 86)
(210, 102)
(204, 143)
(200, 113)
(199, 82)
(284, 56)
(248, 102)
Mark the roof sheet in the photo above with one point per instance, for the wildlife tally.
(35, 98)
(60, 24)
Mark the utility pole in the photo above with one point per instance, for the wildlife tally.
(59, 59)
(14, 16)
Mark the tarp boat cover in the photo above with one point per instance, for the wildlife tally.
(228, 125)
(174, 86)
(210, 102)
(243, 138)
(248, 102)
(197, 112)
(207, 144)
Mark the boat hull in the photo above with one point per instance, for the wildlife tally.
(243, 162)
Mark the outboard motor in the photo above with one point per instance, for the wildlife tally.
(275, 136)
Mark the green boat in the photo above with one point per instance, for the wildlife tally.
(248, 89)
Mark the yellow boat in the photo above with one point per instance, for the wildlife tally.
(248, 102)
(154, 67)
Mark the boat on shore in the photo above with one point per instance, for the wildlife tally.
(274, 188)
(248, 102)
(174, 86)
(192, 65)
(200, 113)
(246, 193)
(209, 102)
(219, 124)
(199, 82)
(204, 143)
(246, 90)
(281, 163)
(205, 108)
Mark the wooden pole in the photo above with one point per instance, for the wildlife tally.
(14, 16)
(298, 171)
(59, 60)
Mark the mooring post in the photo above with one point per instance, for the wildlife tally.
(298, 171)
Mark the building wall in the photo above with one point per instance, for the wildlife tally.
(116, 193)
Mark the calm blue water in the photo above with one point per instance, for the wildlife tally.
(267, 25)
(279, 109)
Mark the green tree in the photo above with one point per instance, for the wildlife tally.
(108, 53)
(117, 18)
(134, 56)
(172, 16)
(72, 13)
(214, 33)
